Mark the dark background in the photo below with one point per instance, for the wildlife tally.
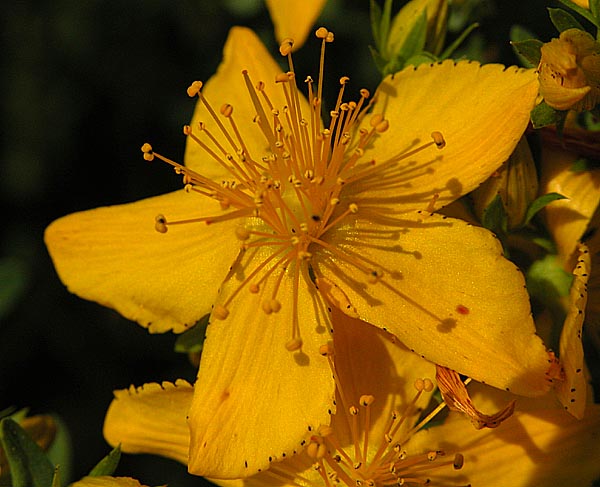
(84, 84)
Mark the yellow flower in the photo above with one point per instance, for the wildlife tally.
(569, 71)
(294, 19)
(334, 215)
(377, 435)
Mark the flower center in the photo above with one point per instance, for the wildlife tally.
(288, 198)
(371, 458)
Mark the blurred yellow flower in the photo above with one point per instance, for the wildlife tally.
(284, 216)
(569, 71)
(377, 436)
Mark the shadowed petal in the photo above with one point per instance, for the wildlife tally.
(547, 447)
(568, 219)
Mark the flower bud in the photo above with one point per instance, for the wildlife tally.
(436, 12)
(569, 71)
(517, 184)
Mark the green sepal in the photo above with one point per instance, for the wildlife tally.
(581, 11)
(421, 58)
(563, 20)
(528, 51)
(494, 216)
(108, 464)
(543, 115)
(29, 466)
(380, 24)
(375, 15)
(192, 340)
(60, 452)
(416, 38)
(56, 477)
(495, 219)
(458, 41)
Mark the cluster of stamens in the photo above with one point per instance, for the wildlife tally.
(295, 189)
(368, 460)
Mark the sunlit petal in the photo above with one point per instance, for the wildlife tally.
(481, 111)
(256, 401)
(151, 419)
(434, 282)
(114, 255)
(243, 51)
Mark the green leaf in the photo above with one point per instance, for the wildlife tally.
(29, 466)
(416, 38)
(192, 339)
(543, 115)
(539, 203)
(528, 51)
(563, 20)
(494, 216)
(108, 464)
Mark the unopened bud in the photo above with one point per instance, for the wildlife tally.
(569, 71)
(515, 182)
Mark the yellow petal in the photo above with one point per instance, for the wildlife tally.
(104, 481)
(547, 447)
(254, 400)
(572, 391)
(445, 291)
(113, 255)
(151, 419)
(480, 110)
(368, 361)
(294, 18)
(568, 219)
(243, 50)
